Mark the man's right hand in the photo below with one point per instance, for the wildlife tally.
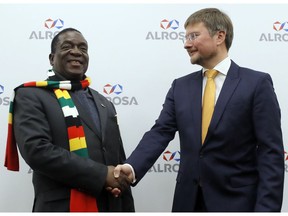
(118, 184)
(126, 169)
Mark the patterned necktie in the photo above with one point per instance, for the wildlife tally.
(208, 101)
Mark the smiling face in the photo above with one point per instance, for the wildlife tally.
(70, 58)
(209, 35)
(203, 50)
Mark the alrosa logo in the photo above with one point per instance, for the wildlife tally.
(165, 24)
(169, 32)
(3, 100)
(117, 89)
(50, 25)
(168, 156)
(279, 27)
(169, 166)
(109, 89)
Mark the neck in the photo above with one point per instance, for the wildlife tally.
(62, 77)
(215, 61)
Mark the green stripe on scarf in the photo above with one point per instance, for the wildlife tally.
(69, 103)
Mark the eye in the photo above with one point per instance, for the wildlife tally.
(83, 48)
(66, 46)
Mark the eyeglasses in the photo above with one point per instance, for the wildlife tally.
(190, 37)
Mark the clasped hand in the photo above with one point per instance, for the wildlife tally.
(118, 179)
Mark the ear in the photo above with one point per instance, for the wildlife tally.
(51, 59)
(221, 36)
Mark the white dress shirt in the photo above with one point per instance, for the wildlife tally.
(222, 67)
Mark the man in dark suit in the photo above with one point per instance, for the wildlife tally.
(40, 127)
(239, 164)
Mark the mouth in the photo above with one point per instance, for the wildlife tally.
(192, 52)
(75, 62)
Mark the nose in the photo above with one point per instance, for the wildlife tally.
(75, 51)
(188, 44)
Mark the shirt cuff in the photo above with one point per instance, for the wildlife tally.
(133, 173)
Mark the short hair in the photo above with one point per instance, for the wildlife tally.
(214, 20)
(56, 38)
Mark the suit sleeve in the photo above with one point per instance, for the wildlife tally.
(154, 141)
(267, 126)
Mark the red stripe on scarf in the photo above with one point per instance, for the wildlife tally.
(85, 83)
(33, 83)
(11, 156)
(74, 132)
(81, 202)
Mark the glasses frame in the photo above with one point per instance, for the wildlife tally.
(191, 37)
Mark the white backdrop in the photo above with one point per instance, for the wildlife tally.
(132, 47)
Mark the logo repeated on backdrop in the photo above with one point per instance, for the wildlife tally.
(4, 101)
(119, 99)
(109, 89)
(170, 165)
(51, 27)
(49, 23)
(165, 24)
(280, 33)
(168, 31)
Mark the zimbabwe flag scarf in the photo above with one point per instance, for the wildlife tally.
(79, 201)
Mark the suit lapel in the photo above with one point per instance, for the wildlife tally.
(195, 94)
(227, 91)
(102, 111)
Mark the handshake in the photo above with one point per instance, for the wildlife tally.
(118, 179)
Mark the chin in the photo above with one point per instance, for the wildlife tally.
(193, 61)
(77, 73)
(75, 76)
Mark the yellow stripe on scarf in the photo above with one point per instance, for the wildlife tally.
(62, 93)
(41, 83)
(77, 143)
(10, 118)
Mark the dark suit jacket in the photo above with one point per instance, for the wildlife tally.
(41, 135)
(240, 166)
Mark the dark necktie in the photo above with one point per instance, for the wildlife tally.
(87, 102)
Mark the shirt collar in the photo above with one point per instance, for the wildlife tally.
(222, 66)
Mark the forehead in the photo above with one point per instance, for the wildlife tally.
(71, 36)
(196, 27)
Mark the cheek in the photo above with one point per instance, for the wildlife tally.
(205, 47)
(86, 57)
(200, 44)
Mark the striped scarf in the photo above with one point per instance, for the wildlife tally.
(79, 202)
